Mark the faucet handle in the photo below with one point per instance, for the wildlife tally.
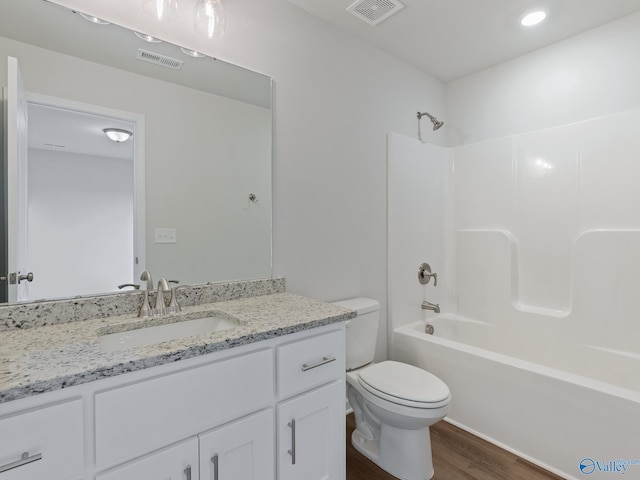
(125, 285)
(425, 275)
(160, 308)
(174, 306)
(145, 309)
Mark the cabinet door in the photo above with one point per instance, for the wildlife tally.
(311, 438)
(178, 462)
(242, 450)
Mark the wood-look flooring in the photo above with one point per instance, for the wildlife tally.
(457, 455)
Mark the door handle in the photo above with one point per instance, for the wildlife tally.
(14, 278)
(28, 277)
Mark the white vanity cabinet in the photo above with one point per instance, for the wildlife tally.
(311, 437)
(227, 415)
(241, 450)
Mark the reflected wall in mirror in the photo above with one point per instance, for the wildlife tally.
(207, 140)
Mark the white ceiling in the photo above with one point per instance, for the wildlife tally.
(69, 131)
(450, 39)
(51, 26)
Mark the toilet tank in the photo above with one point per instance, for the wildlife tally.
(362, 331)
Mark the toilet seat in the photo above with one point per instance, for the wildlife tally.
(404, 384)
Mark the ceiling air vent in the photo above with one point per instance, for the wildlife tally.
(158, 59)
(374, 11)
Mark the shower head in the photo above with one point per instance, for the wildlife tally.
(436, 123)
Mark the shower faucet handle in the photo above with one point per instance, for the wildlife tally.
(425, 275)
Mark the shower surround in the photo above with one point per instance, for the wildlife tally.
(536, 241)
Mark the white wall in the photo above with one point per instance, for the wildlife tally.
(590, 75)
(80, 224)
(418, 225)
(335, 100)
(546, 186)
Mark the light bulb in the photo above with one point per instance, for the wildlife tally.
(117, 134)
(162, 10)
(533, 18)
(209, 19)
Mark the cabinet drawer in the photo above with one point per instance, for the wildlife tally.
(178, 462)
(145, 416)
(308, 363)
(55, 433)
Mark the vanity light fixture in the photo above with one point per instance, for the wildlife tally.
(117, 134)
(533, 18)
(192, 53)
(92, 19)
(209, 19)
(162, 10)
(147, 38)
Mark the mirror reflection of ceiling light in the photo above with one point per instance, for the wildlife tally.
(92, 19)
(533, 18)
(209, 19)
(542, 164)
(117, 134)
(162, 10)
(147, 38)
(192, 53)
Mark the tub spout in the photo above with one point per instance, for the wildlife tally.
(431, 306)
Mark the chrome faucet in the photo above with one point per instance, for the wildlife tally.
(160, 308)
(431, 306)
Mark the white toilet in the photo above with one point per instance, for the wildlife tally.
(394, 403)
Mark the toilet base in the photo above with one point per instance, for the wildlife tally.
(406, 456)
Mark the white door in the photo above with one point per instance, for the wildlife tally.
(242, 450)
(178, 462)
(311, 438)
(16, 192)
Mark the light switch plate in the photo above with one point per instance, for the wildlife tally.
(165, 235)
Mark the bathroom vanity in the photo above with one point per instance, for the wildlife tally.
(261, 400)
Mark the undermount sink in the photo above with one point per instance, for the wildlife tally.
(171, 328)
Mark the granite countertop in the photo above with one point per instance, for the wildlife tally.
(52, 357)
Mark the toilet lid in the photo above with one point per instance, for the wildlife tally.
(403, 383)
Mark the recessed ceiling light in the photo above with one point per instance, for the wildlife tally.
(533, 18)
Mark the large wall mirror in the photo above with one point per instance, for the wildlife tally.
(187, 197)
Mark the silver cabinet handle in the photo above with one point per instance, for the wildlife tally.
(214, 460)
(292, 452)
(24, 460)
(324, 361)
(187, 472)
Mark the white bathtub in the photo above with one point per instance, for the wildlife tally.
(558, 418)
